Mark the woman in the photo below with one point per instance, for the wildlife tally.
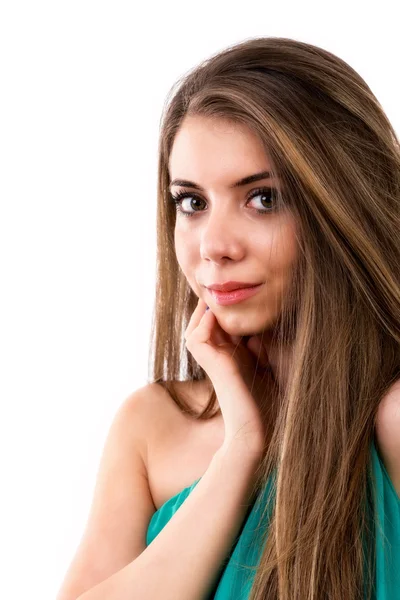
(278, 169)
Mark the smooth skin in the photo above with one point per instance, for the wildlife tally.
(226, 239)
(231, 367)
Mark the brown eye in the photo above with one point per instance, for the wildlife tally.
(267, 194)
(178, 200)
(268, 197)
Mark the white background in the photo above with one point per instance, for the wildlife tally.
(82, 86)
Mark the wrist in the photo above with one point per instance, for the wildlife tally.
(243, 451)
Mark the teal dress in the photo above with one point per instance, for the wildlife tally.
(235, 580)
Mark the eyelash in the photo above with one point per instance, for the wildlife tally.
(178, 198)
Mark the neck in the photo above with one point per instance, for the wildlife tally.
(279, 358)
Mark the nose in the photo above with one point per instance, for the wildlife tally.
(222, 236)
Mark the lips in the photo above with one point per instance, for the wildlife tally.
(234, 296)
(231, 285)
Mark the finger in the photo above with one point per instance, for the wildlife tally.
(202, 333)
(196, 317)
(219, 335)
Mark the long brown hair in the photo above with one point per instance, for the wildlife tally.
(338, 159)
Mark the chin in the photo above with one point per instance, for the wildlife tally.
(235, 325)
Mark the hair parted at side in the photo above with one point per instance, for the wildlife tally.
(338, 159)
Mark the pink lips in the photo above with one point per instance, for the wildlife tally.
(234, 296)
(231, 285)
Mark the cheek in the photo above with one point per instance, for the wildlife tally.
(185, 250)
(286, 254)
(281, 251)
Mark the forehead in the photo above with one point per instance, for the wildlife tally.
(206, 149)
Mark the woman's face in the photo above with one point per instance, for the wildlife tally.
(225, 238)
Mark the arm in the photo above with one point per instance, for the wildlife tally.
(122, 505)
(184, 560)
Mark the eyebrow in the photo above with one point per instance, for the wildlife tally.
(241, 182)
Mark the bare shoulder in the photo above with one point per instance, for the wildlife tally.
(195, 394)
(179, 447)
(164, 418)
(387, 427)
(122, 505)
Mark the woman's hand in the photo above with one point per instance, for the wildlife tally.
(239, 371)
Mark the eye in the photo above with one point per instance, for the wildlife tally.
(178, 200)
(267, 195)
